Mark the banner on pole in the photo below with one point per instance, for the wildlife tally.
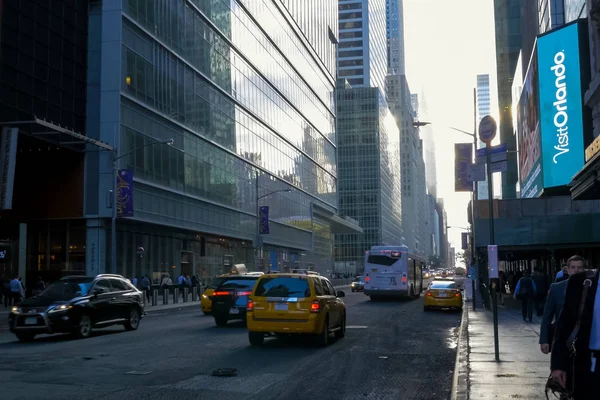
(125, 193)
(493, 261)
(465, 240)
(463, 153)
(264, 220)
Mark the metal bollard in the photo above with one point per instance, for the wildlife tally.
(175, 295)
(166, 296)
(155, 297)
(186, 293)
(194, 294)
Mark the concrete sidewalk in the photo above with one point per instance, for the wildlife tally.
(523, 369)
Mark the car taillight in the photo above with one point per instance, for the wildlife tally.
(457, 294)
(404, 279)
(250, 306)
(428, 293)
(244, 293)
(221, 294)
(315, 307)
(367, 279)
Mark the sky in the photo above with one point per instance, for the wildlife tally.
(447, 44)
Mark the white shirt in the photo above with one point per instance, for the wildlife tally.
(595, 334)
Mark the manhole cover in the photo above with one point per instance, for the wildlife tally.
(225, 372)
(138, 372)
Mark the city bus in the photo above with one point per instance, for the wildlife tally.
(392, 271)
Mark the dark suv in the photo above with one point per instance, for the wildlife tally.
(77, 304)
(230, 298)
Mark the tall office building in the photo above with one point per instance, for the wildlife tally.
(369, 172)
(43, 84)
(574, 9)
(483, 109)
(551, 14)
(362, 52)
(507, 15)
(414, 189)
(395, 37)
(428, 148)
(245, 94)
(414, 100)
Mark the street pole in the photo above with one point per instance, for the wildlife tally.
(492, 242)
(113, 222)
(257, 222)
(475, 278)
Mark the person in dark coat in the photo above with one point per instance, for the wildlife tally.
(526, 291)
(587, 345)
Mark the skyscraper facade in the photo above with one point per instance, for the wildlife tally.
(507, 15)
(369, 172)
(483, 109)
(362, 53)
(395, 37)
(551, 14)
(574, 9)
(428, 148)
(245, 92)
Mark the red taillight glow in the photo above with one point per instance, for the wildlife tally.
(315, 307)
(244, 293)
(367, 279)
(457, 294)
(428, 293)
(221, 294)
(404, 279)
(250, 306)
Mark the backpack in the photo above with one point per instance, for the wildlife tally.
(526, 288)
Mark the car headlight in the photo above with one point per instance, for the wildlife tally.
(204, 296)
(62, 307)
(15, 310)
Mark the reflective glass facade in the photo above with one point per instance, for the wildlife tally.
(369, 179)
(395, 36)
(245, 90)
(362, 49)
(574, 9)
(551, 14)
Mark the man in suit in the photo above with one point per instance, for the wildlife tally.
(587, 346)
(555, 301)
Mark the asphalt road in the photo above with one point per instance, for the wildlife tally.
(392, 350)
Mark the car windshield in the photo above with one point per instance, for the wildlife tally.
(215, 283)
(67, 289)
(283, 287)
(238, 283)
(442, 285)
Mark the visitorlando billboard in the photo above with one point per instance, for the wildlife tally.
(551, 151)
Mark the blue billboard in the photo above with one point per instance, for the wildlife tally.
(561, 105)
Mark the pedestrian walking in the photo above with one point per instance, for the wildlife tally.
(525, 292)
(576, 347)
(541, 285)
(555, 302)
(145, 287)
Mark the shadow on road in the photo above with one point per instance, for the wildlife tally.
(60, 337)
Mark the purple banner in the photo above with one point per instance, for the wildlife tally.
(264, 220)
(463, 153)
(125, 193)
(465, 240)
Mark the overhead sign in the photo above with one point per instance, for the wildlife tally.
(487, 129)
(497, 154)
(464, 236)
(463, 153)
(501, 166)
(561, 106)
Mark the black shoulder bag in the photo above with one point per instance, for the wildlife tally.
(551, 385)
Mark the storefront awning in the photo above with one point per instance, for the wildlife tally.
(55, 134)
(586, 183)
(338, 225)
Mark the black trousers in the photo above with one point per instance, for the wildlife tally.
(587, 383)
(527, 307)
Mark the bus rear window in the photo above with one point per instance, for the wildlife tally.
(381, 260)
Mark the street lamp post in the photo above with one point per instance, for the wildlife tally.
(258, 198)
(113, 228)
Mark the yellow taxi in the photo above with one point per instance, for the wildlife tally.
(443, 294)
(205, 301)
(295, 303)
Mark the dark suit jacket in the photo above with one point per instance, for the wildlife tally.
(568, 317)
(554, 303)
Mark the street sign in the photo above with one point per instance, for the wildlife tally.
(497, 154)
(476, 173)
(501, 166)
(487, 129)
(493, 261)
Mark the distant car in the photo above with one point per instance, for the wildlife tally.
(444, 274)
(358, 285)
(443, 294)
(77, 305)
(230, 298)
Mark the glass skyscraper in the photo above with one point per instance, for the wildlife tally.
(245, 90)
(369, 182)
(395, 36)
(362, 48)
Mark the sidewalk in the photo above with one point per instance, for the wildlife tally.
(523, 369)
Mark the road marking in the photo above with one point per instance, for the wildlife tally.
(138, 372)
(356, 327)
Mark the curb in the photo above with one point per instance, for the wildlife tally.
(460, 381)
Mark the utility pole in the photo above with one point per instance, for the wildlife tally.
(474, 279)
